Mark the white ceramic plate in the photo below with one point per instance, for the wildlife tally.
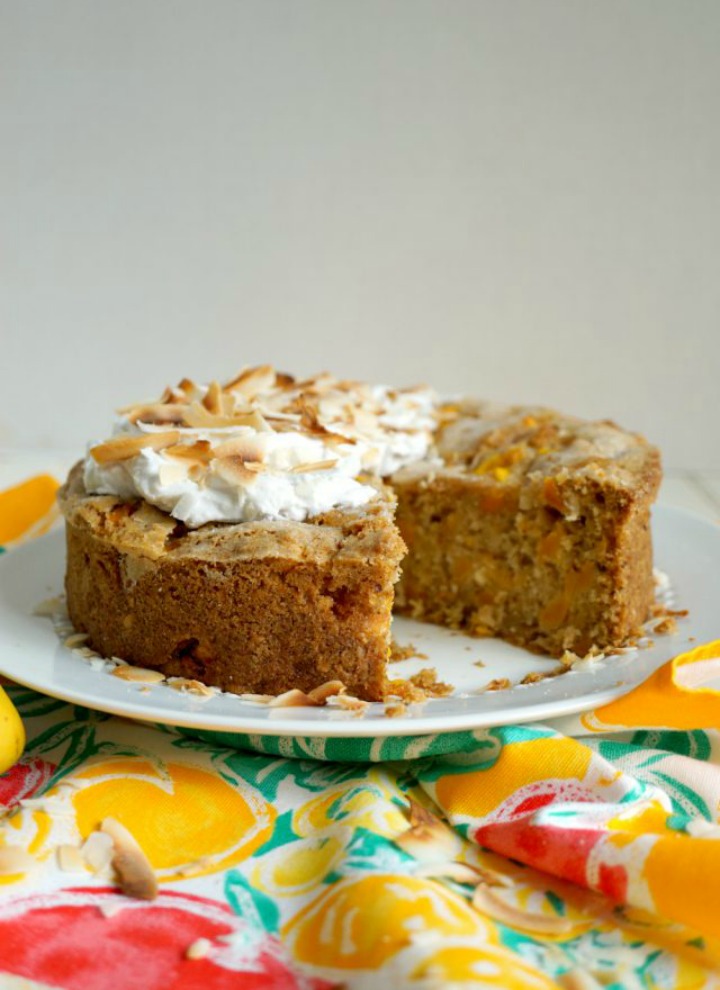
(687, 548)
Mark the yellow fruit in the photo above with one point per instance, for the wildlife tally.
(12, 733)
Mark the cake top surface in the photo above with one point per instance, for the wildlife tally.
(514, 444)
(267, 446)
(262, 446)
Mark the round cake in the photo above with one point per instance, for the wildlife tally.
(250, 535)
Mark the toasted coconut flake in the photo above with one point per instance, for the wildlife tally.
(140, 674)
(97, 851)
(189, 389)
(579, 979)
(250, 381)
(157, 414)
(418, 814)
(123, 448)
(314, 466)
(70, 859)
(50, 607)
(201, 451)
(191, 686)
(85, 652)
(293, 699)
(486, 900)
(133, 869)
(258, 699)
(428, 839)
(211, 399)
(199, 949)
(233, 470)
(319, 695)
(350, 703)
(240, 448)
(76, 639)
(14, 860)
(459, 872)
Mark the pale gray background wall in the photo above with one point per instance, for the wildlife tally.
(517, 198)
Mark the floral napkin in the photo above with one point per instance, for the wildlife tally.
(582, 853)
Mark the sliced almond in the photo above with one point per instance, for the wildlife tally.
(486, 900)
(134, 872)
(141, 675)
(123, 448)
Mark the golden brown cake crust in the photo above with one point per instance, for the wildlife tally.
(250, 607)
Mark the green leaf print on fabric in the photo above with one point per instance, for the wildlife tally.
(252, 905)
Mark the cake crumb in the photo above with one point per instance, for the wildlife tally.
(666, 626)
(395, 709)
(477, 663)
(398, 652)
(543, 675)
(420, 686)
(498, 684)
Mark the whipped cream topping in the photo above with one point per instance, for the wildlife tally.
(261, 447)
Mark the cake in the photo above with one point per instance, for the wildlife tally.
(532, 526)
(244, 535)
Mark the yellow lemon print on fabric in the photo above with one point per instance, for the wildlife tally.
(28, 509)
(188, 821)
(480, 966)
(296, 869)
(359, 923)
(368, 807)
(519, 764)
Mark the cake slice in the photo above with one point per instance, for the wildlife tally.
(531, 526)
(238, 534)
(258, 607)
